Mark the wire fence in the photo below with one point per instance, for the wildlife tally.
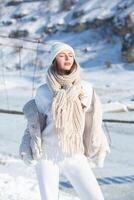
(20, 48)
(20, 55)
(17, 124)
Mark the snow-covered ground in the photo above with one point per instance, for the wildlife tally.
(15, 174)
(115, 87)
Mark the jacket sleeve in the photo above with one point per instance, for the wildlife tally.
(103, 144)
(24, 148)
(31, 144)
(95, 141)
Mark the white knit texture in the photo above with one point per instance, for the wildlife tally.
(67, 109)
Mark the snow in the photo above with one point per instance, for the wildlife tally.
(115, 107)
(97, 9)
(46, 12)
(13, 172)
(25, 180)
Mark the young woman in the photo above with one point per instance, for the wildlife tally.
(64, 129)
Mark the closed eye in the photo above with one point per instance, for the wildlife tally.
(70, 55)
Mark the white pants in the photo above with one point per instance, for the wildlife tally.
(76, 169)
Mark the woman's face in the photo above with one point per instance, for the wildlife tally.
(64, 61)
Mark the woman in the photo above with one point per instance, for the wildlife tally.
(64, 129)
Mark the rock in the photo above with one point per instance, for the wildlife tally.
(125, 25)
(108, 64)
(19, 34)
(50, 29)
(6, 23)
(131, 16)
(66, 5)
(130, 106)
(77, 25)
(53, 28)
(132, 99)
(19, 16)
(87, 49)
(115, 107)
(78, 14)
(14, 3)
(33, 19)
(128, 48)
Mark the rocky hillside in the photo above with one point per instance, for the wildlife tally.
(84, 21)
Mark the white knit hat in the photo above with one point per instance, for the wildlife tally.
(57, 48)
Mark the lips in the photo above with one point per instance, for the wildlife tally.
(67, 63)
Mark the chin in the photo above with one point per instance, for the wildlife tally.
(67, 68)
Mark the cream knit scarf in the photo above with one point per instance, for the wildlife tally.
(68, 111)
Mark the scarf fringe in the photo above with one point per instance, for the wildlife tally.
(71, 145)
(67, 109)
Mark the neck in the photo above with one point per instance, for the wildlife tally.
(64, 72)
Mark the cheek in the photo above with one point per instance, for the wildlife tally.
(60, 62)
(72, 60)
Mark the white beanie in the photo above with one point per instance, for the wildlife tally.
(57, 48)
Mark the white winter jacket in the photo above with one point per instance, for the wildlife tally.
(38, 115)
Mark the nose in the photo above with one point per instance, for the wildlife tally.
(66, 57)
